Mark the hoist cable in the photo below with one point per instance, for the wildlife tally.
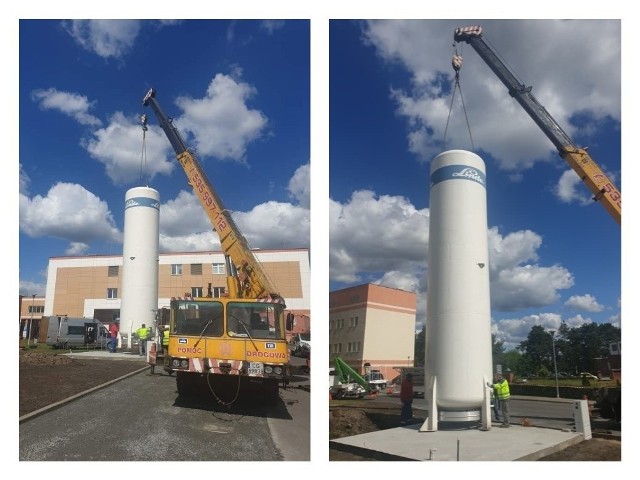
(143, 158)
(464, 108)
(457, 65)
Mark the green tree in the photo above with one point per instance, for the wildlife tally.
(537, 348)
(419, 347)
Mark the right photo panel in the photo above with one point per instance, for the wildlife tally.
(475, 183)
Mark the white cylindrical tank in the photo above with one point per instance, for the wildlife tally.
(139, 299)
(458, 345)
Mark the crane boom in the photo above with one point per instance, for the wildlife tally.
(599, 184)
(252, 281)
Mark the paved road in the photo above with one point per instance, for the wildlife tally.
(142, 418)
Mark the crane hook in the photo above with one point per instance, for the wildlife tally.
(456, 62)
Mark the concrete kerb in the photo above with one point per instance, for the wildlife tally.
(53, 406)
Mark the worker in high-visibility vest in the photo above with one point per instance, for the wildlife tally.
(501, 387)
(143, 335)
(165, 339)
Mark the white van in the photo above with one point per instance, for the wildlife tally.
(65, 332)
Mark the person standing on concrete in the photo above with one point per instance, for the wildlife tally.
(406, 397)
(113, 333)
(496, 403)
(143, 335)
(504, 397)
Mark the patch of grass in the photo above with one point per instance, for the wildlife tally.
(45, 349)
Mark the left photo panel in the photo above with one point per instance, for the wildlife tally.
(164, 219)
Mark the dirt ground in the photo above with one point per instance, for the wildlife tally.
(45, 379)
(348, 421)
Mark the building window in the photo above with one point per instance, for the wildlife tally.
(112, 293)
(113, 270)
(196, 269)
(332, 324)
(36, 309)
(340, 323)
(176, 269)
(355, 299)
(353, 322)
(353, 347)
(196, 291)
(218, 292)
(217, 268)
(336, 348)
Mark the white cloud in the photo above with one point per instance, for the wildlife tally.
(498, 124)
(272, 25)
(23, 181)
(528, 286)
(385, 240)
(77, 248)
(275, 225)
(299, 186)
(517, 283)
(74, 105)
(174, 222)
(268, 225)
(571, 189)
(615, 320)
(222, 124)
(69, 212)
(371, 234)
(513, 249)
(512, 331)
(577, 321)
(105, 38)
(586, 303)
(118, 146)
(28, 288)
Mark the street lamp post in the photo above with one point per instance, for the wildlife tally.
(555, 366)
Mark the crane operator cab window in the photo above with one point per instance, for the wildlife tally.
(199, 318)
(255, 321)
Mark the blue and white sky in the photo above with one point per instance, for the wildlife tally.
(555, 255)
(239, 93)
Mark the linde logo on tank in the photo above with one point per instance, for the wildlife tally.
(470, 173)
(131, 203)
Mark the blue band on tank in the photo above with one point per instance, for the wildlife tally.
(458, 172)
(142, 202)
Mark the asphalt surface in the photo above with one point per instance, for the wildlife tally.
(141, 418)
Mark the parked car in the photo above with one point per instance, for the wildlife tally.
(590, 376)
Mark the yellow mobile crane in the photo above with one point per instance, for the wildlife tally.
(603, 189)
(239, 338)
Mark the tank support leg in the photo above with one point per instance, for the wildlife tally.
(431, 423)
